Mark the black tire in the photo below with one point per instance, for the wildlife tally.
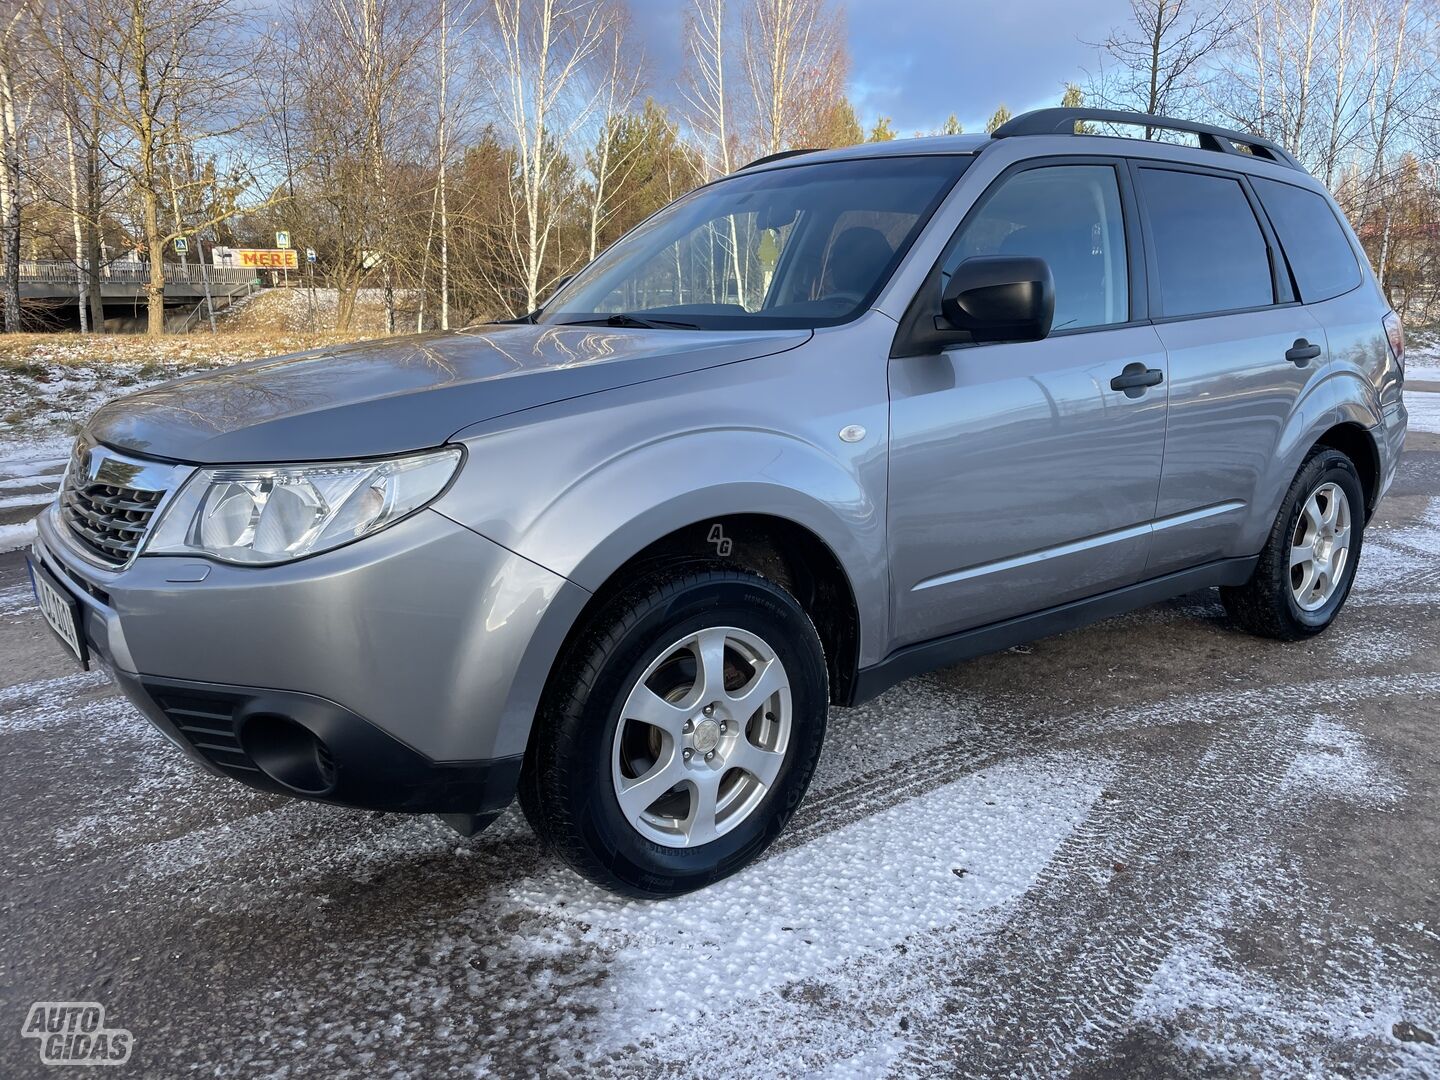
(567, 789)
(1266, 604)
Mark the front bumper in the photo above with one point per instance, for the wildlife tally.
(253, 735)
(415, 658)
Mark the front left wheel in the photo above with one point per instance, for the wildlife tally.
(679, 732)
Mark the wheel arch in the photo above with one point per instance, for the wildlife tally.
(777, 547)
(1356, 443)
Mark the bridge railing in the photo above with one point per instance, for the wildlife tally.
(133, 273)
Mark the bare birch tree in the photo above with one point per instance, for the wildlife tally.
(67, 111)
(622, 75)
(11, 44)
(543, 56)
(708, 108)
(796, 63)
(381, 37)
(1156, 64)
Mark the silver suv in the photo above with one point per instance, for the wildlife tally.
(834, 420)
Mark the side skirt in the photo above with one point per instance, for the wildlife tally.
(942, 652)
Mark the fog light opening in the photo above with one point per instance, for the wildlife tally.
(290, 754)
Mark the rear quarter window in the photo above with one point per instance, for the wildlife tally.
(1320, 256)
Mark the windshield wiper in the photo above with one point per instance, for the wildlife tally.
(621, 318)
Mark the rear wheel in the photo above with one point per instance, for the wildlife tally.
(1309, 562)
(679, 733)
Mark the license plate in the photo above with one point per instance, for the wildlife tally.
(61, 611)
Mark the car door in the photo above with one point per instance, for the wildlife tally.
(1243, 355)
(1019, 478)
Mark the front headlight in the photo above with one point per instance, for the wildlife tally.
(257, 515)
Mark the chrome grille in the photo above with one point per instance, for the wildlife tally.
(104, 512)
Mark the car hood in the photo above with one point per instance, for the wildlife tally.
(398, 394)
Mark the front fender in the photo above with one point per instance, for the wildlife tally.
(582, 486)
(623, 505)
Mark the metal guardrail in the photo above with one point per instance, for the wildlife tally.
(132, 273)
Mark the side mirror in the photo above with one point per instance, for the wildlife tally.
(1000, 298)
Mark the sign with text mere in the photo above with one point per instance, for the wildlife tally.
(266, 259)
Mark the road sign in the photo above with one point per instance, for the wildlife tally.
(282, 239)
(263, 259)
(181, 245)
(310, 255)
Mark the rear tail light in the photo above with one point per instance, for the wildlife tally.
(1395, 331)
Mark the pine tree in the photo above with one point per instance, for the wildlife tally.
(1074, 98)
(1002, 116)
(838, 126)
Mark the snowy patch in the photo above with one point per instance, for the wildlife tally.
(1422, 359)
(35, 470)
(1325, 989)
(939, 860)
(17, 600)
(11, 502)
(1243, 1020)
(34, 706)
(1423, 534)
(48, 482)
(16, 536)
(1334, 762)
(1424, 411)
(1370, 644)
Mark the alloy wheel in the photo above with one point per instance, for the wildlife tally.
(702, 737)
(1320, 547)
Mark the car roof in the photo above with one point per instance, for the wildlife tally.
(1047, 130)
(919, 147)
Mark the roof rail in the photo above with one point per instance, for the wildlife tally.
(781, 156)
(1221, 140)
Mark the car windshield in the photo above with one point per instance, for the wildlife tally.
(803, 246)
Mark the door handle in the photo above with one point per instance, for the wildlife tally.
(1136, 379)
(1302, 352)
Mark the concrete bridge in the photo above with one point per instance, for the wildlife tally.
(51, 289)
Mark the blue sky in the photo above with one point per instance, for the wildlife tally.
(917, 61)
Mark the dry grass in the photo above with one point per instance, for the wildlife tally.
(271, 323)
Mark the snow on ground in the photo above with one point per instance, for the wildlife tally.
(1422, 357)
(50, 384)
(1424, 411)
(17, 535)
(965, 852)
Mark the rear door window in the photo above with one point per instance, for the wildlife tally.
(1210, 252)
(1320, 257)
